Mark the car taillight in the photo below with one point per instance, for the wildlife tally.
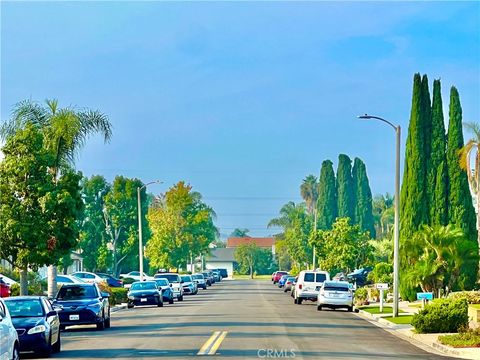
(300, 286)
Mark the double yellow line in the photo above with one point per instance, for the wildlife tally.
(213, 343)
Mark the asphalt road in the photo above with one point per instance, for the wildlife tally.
(237, 320)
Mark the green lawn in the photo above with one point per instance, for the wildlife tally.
(256, 277)
(376, 310)
(467, 339)
(415, 305)
(407, 319)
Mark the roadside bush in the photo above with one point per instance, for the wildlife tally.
(472, 297)
(361, 295)
(118, 296)
(128, 281)
(33, 289)
(442, 316)
(465, 338)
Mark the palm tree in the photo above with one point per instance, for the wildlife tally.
(309, 192)
(472, 147)
(65, 131)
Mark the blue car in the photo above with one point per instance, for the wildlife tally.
(283, 279)
(37, 324)
(82, 304)
(167, 292)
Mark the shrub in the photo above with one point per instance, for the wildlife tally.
(34, 288)
(127, 281)
(466, 338)
(118, 296)
(361, 295)
(442, 316)
(472, 297)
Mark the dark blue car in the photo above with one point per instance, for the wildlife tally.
(283, 279)
(37, 324)
(82, 304)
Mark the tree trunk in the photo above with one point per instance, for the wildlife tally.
(52, 281)
(24, 281)
(251, 271)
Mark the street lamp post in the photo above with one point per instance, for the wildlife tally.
(396, 235)
(140, 238)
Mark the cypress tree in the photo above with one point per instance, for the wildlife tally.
(460, 206)
(345, 188)
(437, 175)
(327, 197)
(414, 210)
(363, 198)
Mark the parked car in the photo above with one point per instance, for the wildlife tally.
(82, 304)
(167, 292)
(217, 276)
(189, 286)
(278, 275)
(200, 280)
(7, 280)
(223, 273)
(308, 285)
(334, 295)
(4, 288)
(37, 324)
(9, 345)
(359, 276)
(212, 276)
(282, 280)
(288, 283)
(175, 280)
(135, 275)
(207, 277)
(88, 277)
(144, 293)
(111, 280)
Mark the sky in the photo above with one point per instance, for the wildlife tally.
(240, 99)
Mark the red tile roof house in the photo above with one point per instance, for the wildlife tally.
(263, 242)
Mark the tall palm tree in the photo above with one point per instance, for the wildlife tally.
(309, 192)
(65, 131)
(472, 148)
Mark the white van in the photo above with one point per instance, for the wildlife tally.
(308, 285)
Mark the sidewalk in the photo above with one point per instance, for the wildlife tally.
(427, 342)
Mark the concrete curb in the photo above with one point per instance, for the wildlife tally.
(118, 307)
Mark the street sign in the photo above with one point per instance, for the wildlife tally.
(381, 286)
(425, 296)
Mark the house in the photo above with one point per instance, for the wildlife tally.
(221, 258)
(262, 242)
(77, 265)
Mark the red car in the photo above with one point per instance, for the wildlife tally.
(4, 289)
(278, 275)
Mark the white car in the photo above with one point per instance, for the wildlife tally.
(9, 345)
(176, 283)
(135, 275)
(67, 279)
(308, 285)
(200, 280)
(334, 295)
(88, 277)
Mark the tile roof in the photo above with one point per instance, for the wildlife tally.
(265, 242)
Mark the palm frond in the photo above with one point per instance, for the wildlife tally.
(473, 128)
(24, 112)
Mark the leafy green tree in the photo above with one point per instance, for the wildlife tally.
(437, 174)
(247, 256)
(343, 248)
(93, 236)
(121, 222)
(382, 273)
(327, 196)
(38, 215)
(363, 198)
(239, 232)
(383, 215)
(461, 212)
(345, 188)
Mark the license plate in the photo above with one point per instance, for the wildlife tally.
(74, 317)
(143, 300)
(335, 295)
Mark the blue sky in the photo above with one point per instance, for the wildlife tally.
(240, 99)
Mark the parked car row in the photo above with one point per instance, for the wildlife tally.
(315, 285)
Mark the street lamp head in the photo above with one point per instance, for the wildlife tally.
(365, 117)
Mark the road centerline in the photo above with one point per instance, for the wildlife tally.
(208, 344)
(217, 343)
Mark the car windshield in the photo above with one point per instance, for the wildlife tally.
(336, 288)
(291, 279)
(173, 278)
(77, 292)
(144, 286)
(186, 278)
(320, 277)
(162, 282)
(197, 277)
(24, 307)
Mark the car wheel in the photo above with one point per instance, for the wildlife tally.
(294, 300)
(350, 309)
(101, 324)
(107, 322)
(319, 308)
(180, 298)
(170, 301)
(15, 353)
(160, 303)
(48, 349)
(62, 327)
(285, 290)
(299, 301)
(58, 345)
(130, 306)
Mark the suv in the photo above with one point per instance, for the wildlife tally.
(9, 346)
(175, 281)
(308, 285)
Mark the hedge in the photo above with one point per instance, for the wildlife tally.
(442, 316)
(472, 297)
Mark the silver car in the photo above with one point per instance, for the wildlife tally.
(335, 295)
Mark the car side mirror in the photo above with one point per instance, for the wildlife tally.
(105, 295)
(171, 285)
(181, 282)
(51, 313)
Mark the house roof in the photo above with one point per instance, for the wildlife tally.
(221, 255)
(263, 242)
